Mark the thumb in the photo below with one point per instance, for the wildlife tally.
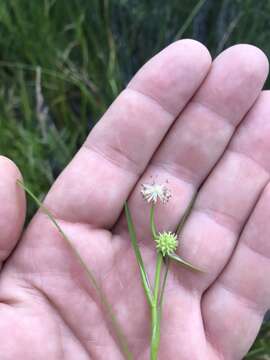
(12, 208)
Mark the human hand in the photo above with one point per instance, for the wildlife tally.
(219, 144)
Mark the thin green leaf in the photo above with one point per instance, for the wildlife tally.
(187, 212)
(186, 264)
(119, 334)
(134, 242)
(167, 264)
(189, 19)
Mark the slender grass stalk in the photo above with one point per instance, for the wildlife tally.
(118, 332)
(155, 338)
(187, 212)
(152, 222)
(189, 19)
(134, 242)
(167, 265)
(155, 308)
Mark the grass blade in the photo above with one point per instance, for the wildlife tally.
(187, 212)
(189, 19)
(167, 264)
(185, 263)
(118, 332)
(133, 238)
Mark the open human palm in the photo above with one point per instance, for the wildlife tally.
(204, 128)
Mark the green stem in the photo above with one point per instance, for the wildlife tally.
(152, 222)
(133, 237)
(155, 333)
(155, 308)
(157, 276)
(167, 264)
(155, 313)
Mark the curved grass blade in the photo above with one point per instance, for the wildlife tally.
(118, 332)
(133, 238)
(184, 263)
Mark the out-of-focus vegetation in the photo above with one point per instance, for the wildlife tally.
(63, 62)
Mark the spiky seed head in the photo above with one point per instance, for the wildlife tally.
(166, 242)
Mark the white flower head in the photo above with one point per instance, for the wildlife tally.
(154, 192)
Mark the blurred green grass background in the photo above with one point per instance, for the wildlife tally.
(63, 62)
